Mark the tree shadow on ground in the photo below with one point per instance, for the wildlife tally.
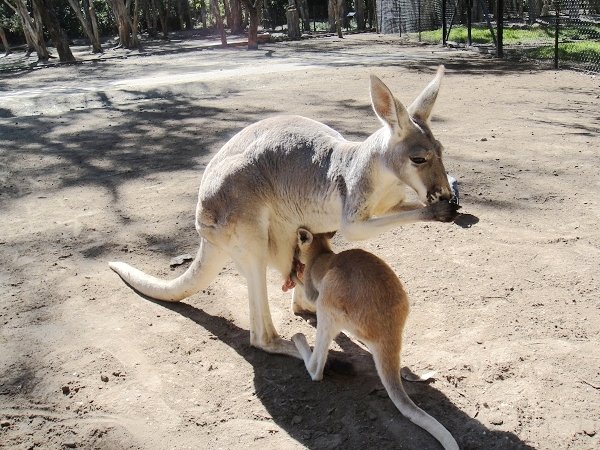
(162, 132)
(468, 62)
(350, 411)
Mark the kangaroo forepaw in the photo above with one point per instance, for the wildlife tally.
(443, 211)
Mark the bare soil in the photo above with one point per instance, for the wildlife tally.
(101, 161)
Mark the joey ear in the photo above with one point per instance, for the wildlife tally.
(330, 235)
(305, 237)
(389, 109)
(423, 105)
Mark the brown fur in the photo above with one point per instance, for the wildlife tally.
(358, 292)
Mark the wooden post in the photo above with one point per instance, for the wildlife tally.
(293, 21)
(500, 29)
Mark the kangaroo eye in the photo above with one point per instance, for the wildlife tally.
(418, 160)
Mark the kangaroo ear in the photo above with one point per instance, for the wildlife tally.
(389, 109)
(305, 237)
(421, 108)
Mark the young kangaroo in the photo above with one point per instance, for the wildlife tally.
(357, 292)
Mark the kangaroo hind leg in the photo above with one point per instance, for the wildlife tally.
(315, 361)
(250, 256)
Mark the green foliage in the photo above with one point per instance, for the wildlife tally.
(67, 18)
(106, 23)
(8, 19)
(582, 42)
(511, 36)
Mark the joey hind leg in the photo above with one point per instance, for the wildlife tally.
(315, 360)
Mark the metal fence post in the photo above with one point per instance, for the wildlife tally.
(556, 32)
(469, 19)
(419, 18)
(444, 26)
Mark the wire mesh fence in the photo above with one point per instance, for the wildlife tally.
(562, 33)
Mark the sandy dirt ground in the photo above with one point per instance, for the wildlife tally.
(101, 161)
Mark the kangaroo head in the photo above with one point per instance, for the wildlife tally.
(410, 151)
(311, 245)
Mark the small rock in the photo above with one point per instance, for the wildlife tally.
(116, 374)
(296, 420)
(4, 424)
(70, 445)
(179, 260)
(496, 420)
(104, 378)
(589, 431)
(66, 390)
(483, 139)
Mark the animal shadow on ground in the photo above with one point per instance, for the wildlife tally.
(348, 409)
(466, 220)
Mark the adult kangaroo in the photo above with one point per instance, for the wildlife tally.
(286, 172)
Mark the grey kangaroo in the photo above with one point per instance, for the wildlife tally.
(285, 172)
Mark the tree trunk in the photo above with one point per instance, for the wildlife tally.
(162, 16)
(94, 22)
(253, 8)
(32, 29)
(183, 11)
(331, 12)
(135, 40)
(293, 21)
(29, 40)
(227, 10)
(121, 13)
(57, 34)
(339, 17)
(236, 17)
(4, 41)
(302, 7)
(87, 29)
(203, 13)
(219, 20)
(150, 18)
(360, 14)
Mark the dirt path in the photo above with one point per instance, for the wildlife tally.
(101, 161)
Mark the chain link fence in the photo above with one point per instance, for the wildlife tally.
(559, 33)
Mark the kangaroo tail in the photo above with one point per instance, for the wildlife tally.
(205, 267)
(390, 377)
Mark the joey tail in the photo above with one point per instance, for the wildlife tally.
(390, 377)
